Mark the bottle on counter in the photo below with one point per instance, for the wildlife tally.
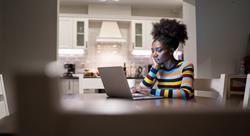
(124, 68)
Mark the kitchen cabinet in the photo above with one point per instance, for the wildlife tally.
(138, 32)
(141, 34)
(73, 33)
(88, 85)
(70, 86)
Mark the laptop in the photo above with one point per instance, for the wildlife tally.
(116, 85)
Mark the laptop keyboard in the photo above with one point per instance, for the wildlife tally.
(138, 95)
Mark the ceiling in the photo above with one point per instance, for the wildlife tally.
(173, 4)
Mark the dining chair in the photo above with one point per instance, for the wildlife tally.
(214, 88)
(246, 103)
(4, 111)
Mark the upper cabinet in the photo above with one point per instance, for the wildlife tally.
(137, 34)
(73, 32)
(141, 34)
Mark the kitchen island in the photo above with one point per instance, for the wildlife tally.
(88, 85)
(78, 84)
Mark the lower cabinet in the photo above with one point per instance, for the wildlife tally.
(90, 85)
(70, 86)
(95, 85)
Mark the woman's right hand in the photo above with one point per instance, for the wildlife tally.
(155, 64)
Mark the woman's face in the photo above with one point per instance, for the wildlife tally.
(160, 53)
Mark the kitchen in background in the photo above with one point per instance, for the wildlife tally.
(95, 35)
(111, 33)
(112, 53)
(99, 54)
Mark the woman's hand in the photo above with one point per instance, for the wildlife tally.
(144, 91)
(155, 64)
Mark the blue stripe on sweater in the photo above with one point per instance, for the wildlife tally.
(187, 78)
(146, 84)
(169, 71)
(183, 94)
(153, 75)
(158, 92)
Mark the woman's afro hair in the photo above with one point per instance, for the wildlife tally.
(170, 32)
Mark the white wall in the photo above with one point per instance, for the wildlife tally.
(119, 10)
(1, 26)
(109, 10)
(30, 38)
(74, 9)
(222, 33)
(189, 18)
(156, 12)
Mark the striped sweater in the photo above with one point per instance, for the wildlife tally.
(176, 82)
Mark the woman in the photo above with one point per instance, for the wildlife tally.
(173, 78)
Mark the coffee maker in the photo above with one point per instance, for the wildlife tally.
(70, 70)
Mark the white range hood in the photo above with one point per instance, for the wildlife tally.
(110, 32)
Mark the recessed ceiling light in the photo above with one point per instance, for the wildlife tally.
(102, 0)
(115, 0)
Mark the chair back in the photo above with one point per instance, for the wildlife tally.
(4, 111)
(246, 104)
(213, 88)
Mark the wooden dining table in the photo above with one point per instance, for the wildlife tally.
(97, 114)
(102, 104)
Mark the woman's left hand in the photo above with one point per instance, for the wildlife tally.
(144, 91)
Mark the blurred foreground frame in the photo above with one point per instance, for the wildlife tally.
(39, 114)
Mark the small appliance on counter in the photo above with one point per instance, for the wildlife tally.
(139, 71)
(70, 70)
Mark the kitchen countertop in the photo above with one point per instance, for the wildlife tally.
(127, 77)
(76, 77)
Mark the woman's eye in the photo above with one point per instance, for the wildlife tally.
(158, 49)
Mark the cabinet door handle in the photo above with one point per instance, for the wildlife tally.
(133, 45)
(86, 44)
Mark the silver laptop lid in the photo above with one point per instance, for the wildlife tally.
(115, 82)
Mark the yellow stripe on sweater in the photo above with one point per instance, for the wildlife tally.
(189, 92)
(147, 80)
(170, 83)
(188, 72)
(166, 93)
